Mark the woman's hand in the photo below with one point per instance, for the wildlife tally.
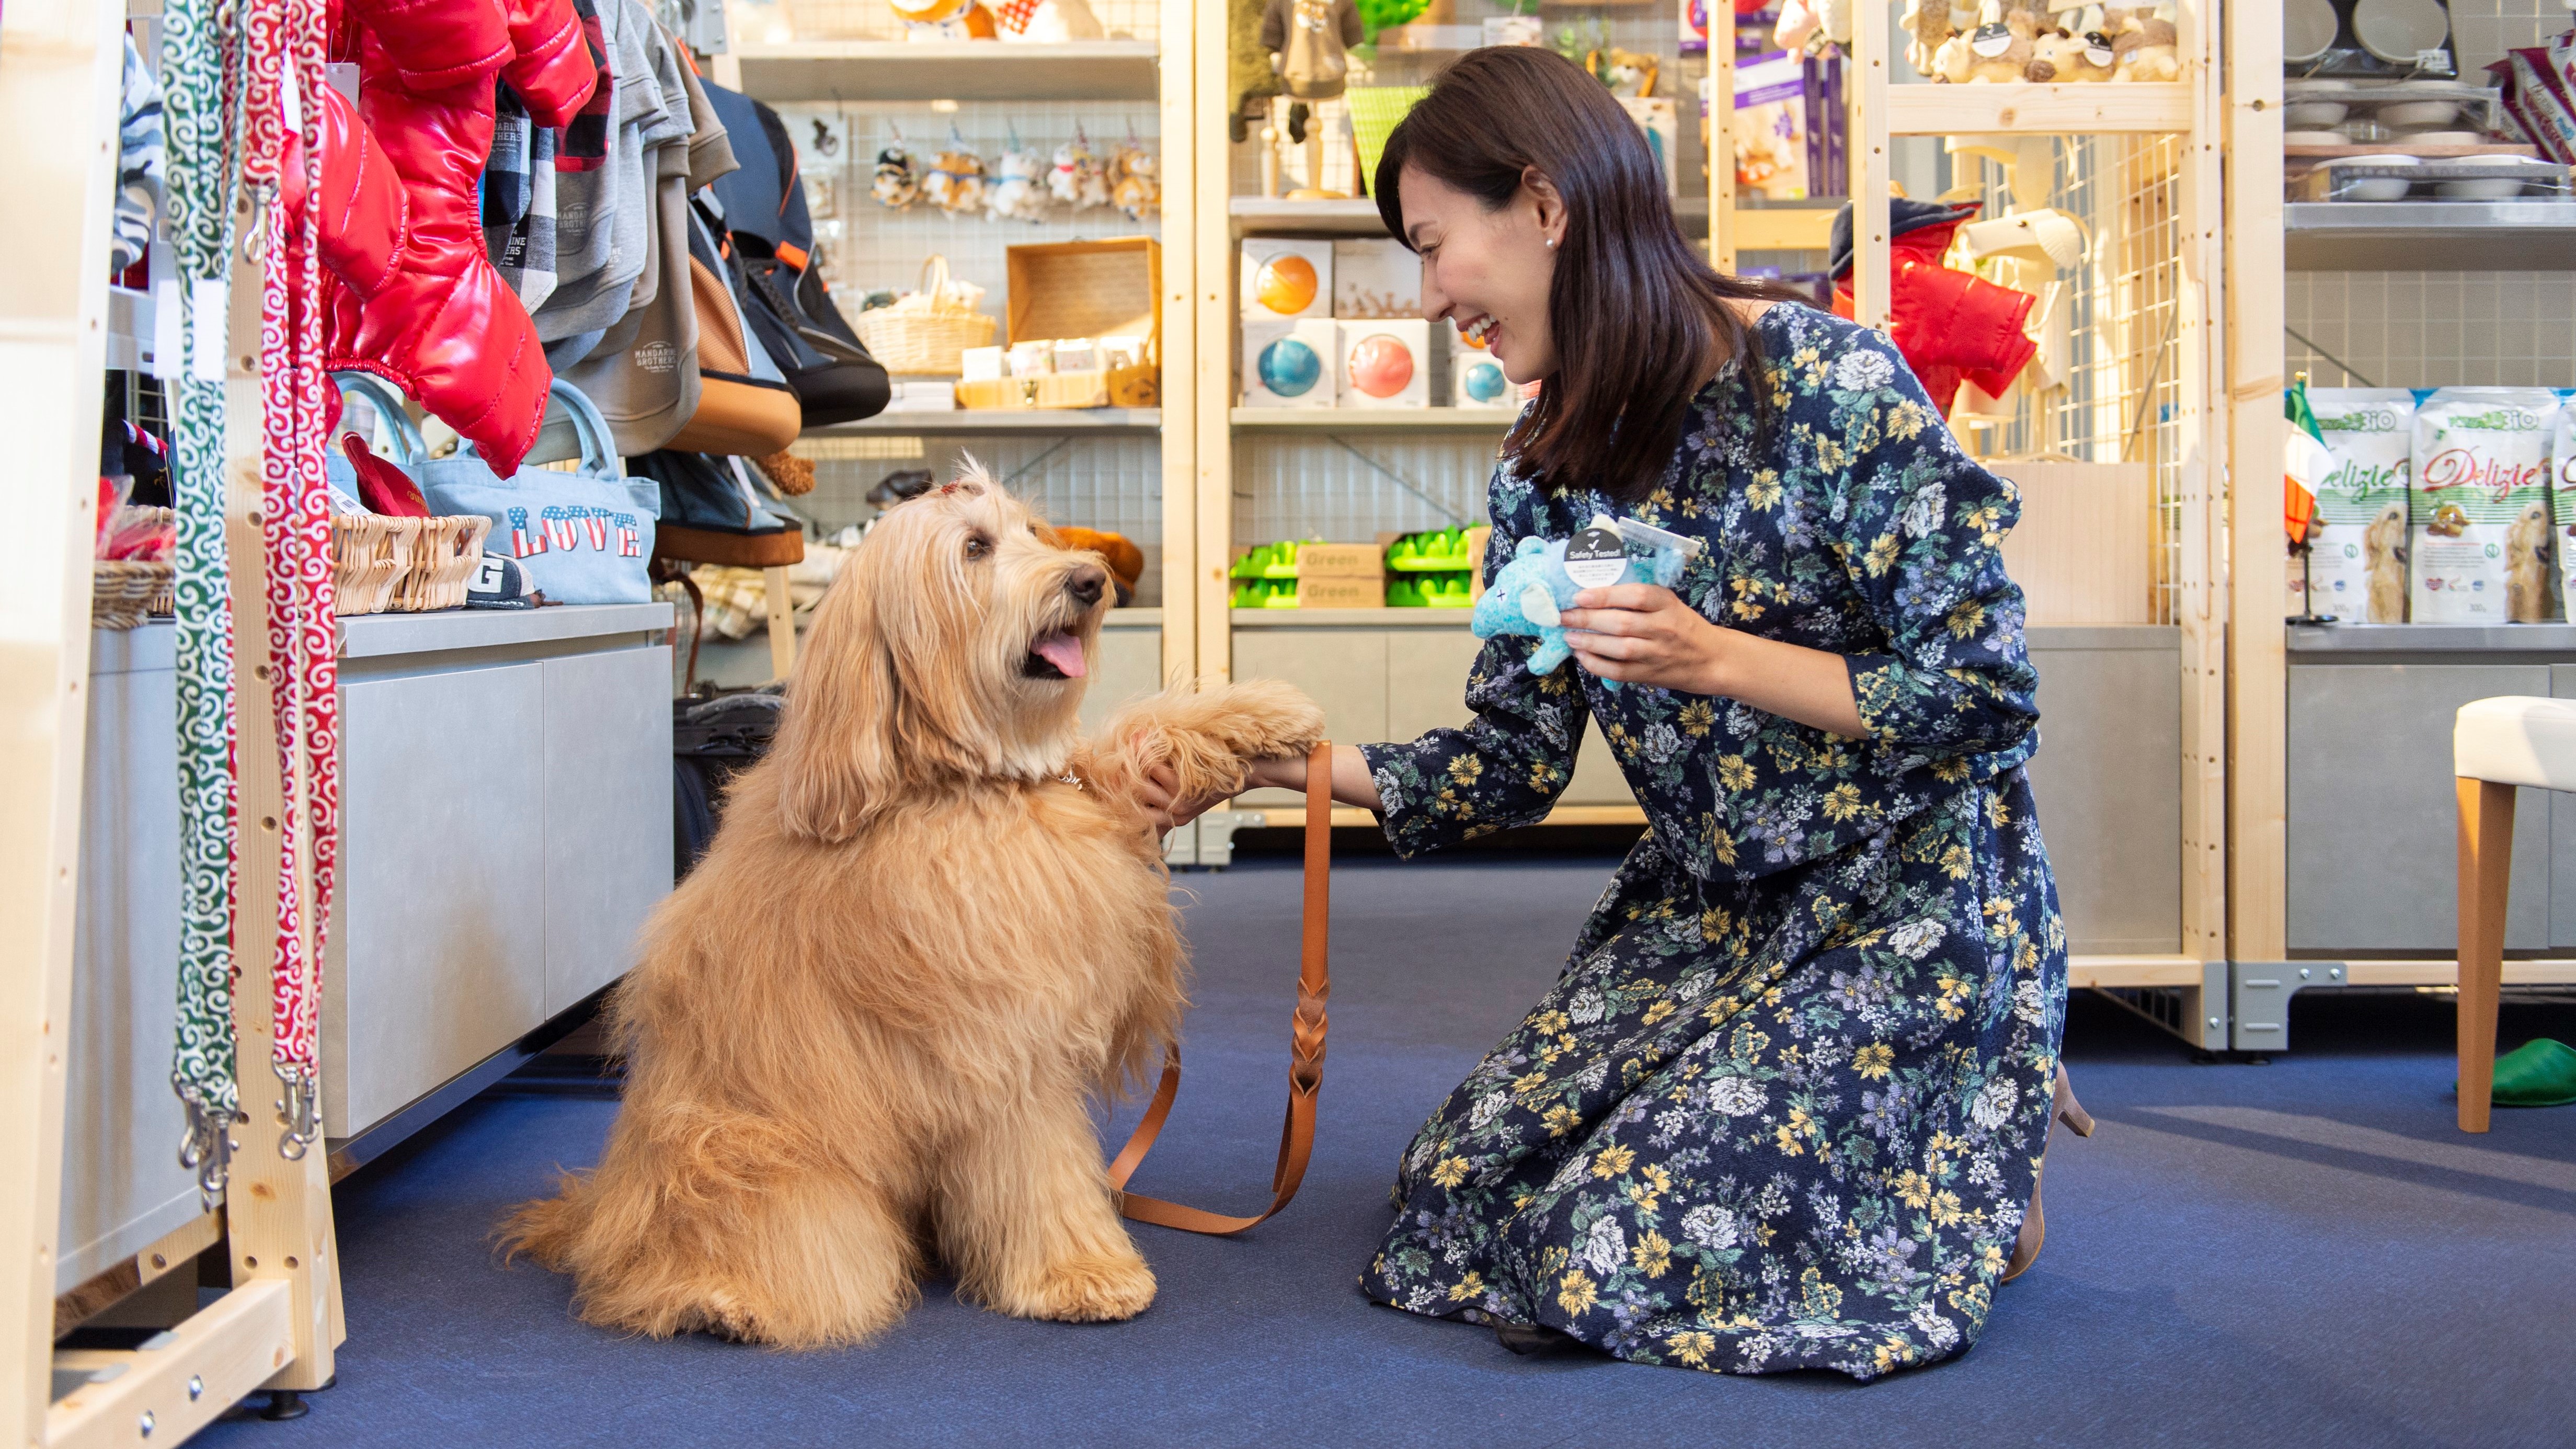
(1645, 634)
(1159, 793)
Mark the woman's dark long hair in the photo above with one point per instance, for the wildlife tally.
(1634, 307)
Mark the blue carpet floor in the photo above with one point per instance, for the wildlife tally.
(2305, 1252)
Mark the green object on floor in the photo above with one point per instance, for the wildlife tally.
(2538, 1073)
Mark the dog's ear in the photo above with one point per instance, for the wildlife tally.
(835, 753)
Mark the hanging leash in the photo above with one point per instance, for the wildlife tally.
(284, 69)
(200, 103)
(1306, 1049)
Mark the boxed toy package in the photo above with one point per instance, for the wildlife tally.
(1771, 126)
(2357, 560)
(2480, 500)
(1375, 277)
(1285, 277)
(1289, 364)
(2562, 493)
(1385, 364)
(1475, 379)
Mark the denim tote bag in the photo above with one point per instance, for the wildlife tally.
(581, 537)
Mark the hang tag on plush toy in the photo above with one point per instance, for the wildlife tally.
(1596, 557)
(2097, 48)
(1991, 40)
(1651, 538)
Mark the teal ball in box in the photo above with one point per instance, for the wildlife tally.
(1290, 368)
(1485, 382)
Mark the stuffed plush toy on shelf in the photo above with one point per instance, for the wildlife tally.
(1532, 592)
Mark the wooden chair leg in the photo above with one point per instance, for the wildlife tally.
(2486, 871)
(782, 622)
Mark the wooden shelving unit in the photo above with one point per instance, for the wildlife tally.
(1161, 73)
(2230, 841)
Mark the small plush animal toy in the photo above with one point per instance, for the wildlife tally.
(1531, 593)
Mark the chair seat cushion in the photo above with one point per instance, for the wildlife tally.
(2517, 739)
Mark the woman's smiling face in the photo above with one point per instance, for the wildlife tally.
(1488, 271)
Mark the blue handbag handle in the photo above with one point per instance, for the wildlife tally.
(388, 403)
(599, 456)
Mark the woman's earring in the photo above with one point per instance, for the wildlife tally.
(1551, 243)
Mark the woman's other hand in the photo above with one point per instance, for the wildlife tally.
(1645, 634)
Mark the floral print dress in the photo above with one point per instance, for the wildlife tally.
(1785, 1106)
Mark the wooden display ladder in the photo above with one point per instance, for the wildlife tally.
(2229, 342)
(278, 1326)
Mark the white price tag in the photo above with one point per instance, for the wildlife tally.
(212, 301)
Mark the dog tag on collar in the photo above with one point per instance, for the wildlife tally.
(1597, 557)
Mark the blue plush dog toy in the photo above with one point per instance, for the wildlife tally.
(1532, 592)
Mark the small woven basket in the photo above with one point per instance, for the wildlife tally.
(369, 554)
(444, 558)
(123, 594)
(923, 334)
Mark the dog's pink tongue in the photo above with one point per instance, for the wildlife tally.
(1064, 652)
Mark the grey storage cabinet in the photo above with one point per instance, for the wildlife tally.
(506, 827)
(2372, 814)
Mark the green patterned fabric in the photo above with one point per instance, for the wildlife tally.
(199, 110)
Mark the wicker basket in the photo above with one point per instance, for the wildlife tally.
(444, 558)
(923, 334)
(370, 552)
(122, 595)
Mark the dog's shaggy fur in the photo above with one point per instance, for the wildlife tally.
(867, 1031)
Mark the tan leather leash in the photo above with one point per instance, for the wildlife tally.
(1306, 1059)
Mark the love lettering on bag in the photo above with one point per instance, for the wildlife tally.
(566, 528)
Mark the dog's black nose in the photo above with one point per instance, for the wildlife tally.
(1085, 584)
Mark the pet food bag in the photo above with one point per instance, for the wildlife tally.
(2480, 500)
(2357, 553)
(2562, 492)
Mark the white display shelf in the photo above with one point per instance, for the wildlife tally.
(971, 70)
(2451, 236)
(1270, 216)
(2147, 107)
(1343, 420)
(1001, 420)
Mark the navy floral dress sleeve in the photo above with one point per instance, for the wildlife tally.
(1786, 1106)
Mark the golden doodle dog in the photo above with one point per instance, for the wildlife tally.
(867, 1030)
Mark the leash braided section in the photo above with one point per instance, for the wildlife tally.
(199, 94)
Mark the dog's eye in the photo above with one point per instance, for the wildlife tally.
(978, 548)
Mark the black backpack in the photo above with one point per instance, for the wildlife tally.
(771, 242)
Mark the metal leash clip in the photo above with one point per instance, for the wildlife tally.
(299, 1111)
(207, 1149)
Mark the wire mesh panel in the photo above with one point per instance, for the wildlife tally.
(1351, 487)
(1111, 483)
(865, 246)
(2119, 397)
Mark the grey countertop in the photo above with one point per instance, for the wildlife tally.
(2485, 640)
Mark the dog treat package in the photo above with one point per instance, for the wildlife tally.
(2562, 493)
(2357, 548)
(2480, 501)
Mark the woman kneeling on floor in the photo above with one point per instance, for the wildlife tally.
(1786, 1107)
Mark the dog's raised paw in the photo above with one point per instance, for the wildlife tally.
(1091, 1290)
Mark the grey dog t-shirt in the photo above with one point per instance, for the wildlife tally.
(602, 217)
